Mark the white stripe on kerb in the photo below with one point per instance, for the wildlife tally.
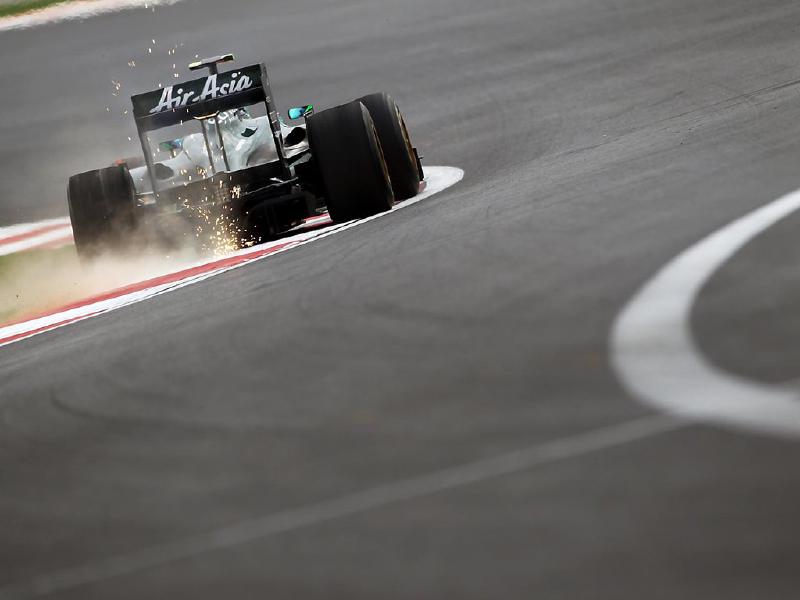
(36, 241)
(23, 228)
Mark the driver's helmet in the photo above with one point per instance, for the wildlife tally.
(235, 119)
(239, 129)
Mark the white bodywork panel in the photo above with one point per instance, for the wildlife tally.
(247, 141)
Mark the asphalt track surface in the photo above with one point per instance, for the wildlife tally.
(281, 430)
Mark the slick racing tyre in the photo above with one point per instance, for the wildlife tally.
(348, 153)
(101, 208)
(401, 159)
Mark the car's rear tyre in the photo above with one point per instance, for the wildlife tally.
(346, 148)
(396, 143)
(102, 209)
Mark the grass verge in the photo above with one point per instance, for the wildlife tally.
(24, 278)
(16, 8)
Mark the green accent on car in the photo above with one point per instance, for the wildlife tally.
(300, 111)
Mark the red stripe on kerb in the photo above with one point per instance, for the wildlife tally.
(30, 234)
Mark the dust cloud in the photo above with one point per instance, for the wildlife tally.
(37, 281)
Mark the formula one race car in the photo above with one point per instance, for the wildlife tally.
(215, 148)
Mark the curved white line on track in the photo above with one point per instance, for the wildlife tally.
(437, 179)
(656, 359)
(75, 9)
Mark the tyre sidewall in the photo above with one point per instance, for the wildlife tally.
(396, 143)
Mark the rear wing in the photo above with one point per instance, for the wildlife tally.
(203, 98)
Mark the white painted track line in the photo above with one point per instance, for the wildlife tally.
(344, 506)
(654, 354)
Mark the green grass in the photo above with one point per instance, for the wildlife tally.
(23, 6)
(17, 269)
(28, 258)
